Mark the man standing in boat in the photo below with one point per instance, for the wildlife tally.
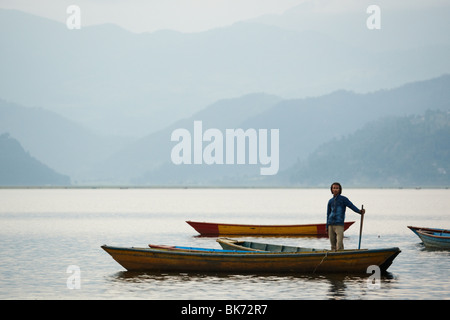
(336, 216)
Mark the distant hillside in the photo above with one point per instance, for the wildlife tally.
(19, 168)
(391, 152)
(307, 123)
(148, 160)
(304, 125)
(62, 144)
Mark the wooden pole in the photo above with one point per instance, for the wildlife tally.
(360, 228)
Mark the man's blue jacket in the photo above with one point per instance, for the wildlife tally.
(336, 210)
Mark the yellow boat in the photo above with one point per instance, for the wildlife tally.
(159, 260)
(227, 229)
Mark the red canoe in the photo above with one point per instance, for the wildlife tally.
(222, 229)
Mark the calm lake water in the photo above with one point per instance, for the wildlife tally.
(45, 231)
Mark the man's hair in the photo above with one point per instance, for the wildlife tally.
(338, 184)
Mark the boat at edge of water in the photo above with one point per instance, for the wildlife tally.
(162, 260)
(226, 229)
(433, 237)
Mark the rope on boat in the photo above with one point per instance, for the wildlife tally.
(326, 254)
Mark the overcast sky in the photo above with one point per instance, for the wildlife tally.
(187, 15)
(151, 15)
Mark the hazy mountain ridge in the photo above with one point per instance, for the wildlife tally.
(307, 123)
(60, 143)
(133, 84)
(405, 151)
(147, 85)
(153, 151)
(19, 168)
(304, 125)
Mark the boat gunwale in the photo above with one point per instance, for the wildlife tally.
(425, 232)
(236, 245)
(428, 229)
(434, 236)
(193, 249)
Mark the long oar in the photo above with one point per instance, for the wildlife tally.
(360, 228)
